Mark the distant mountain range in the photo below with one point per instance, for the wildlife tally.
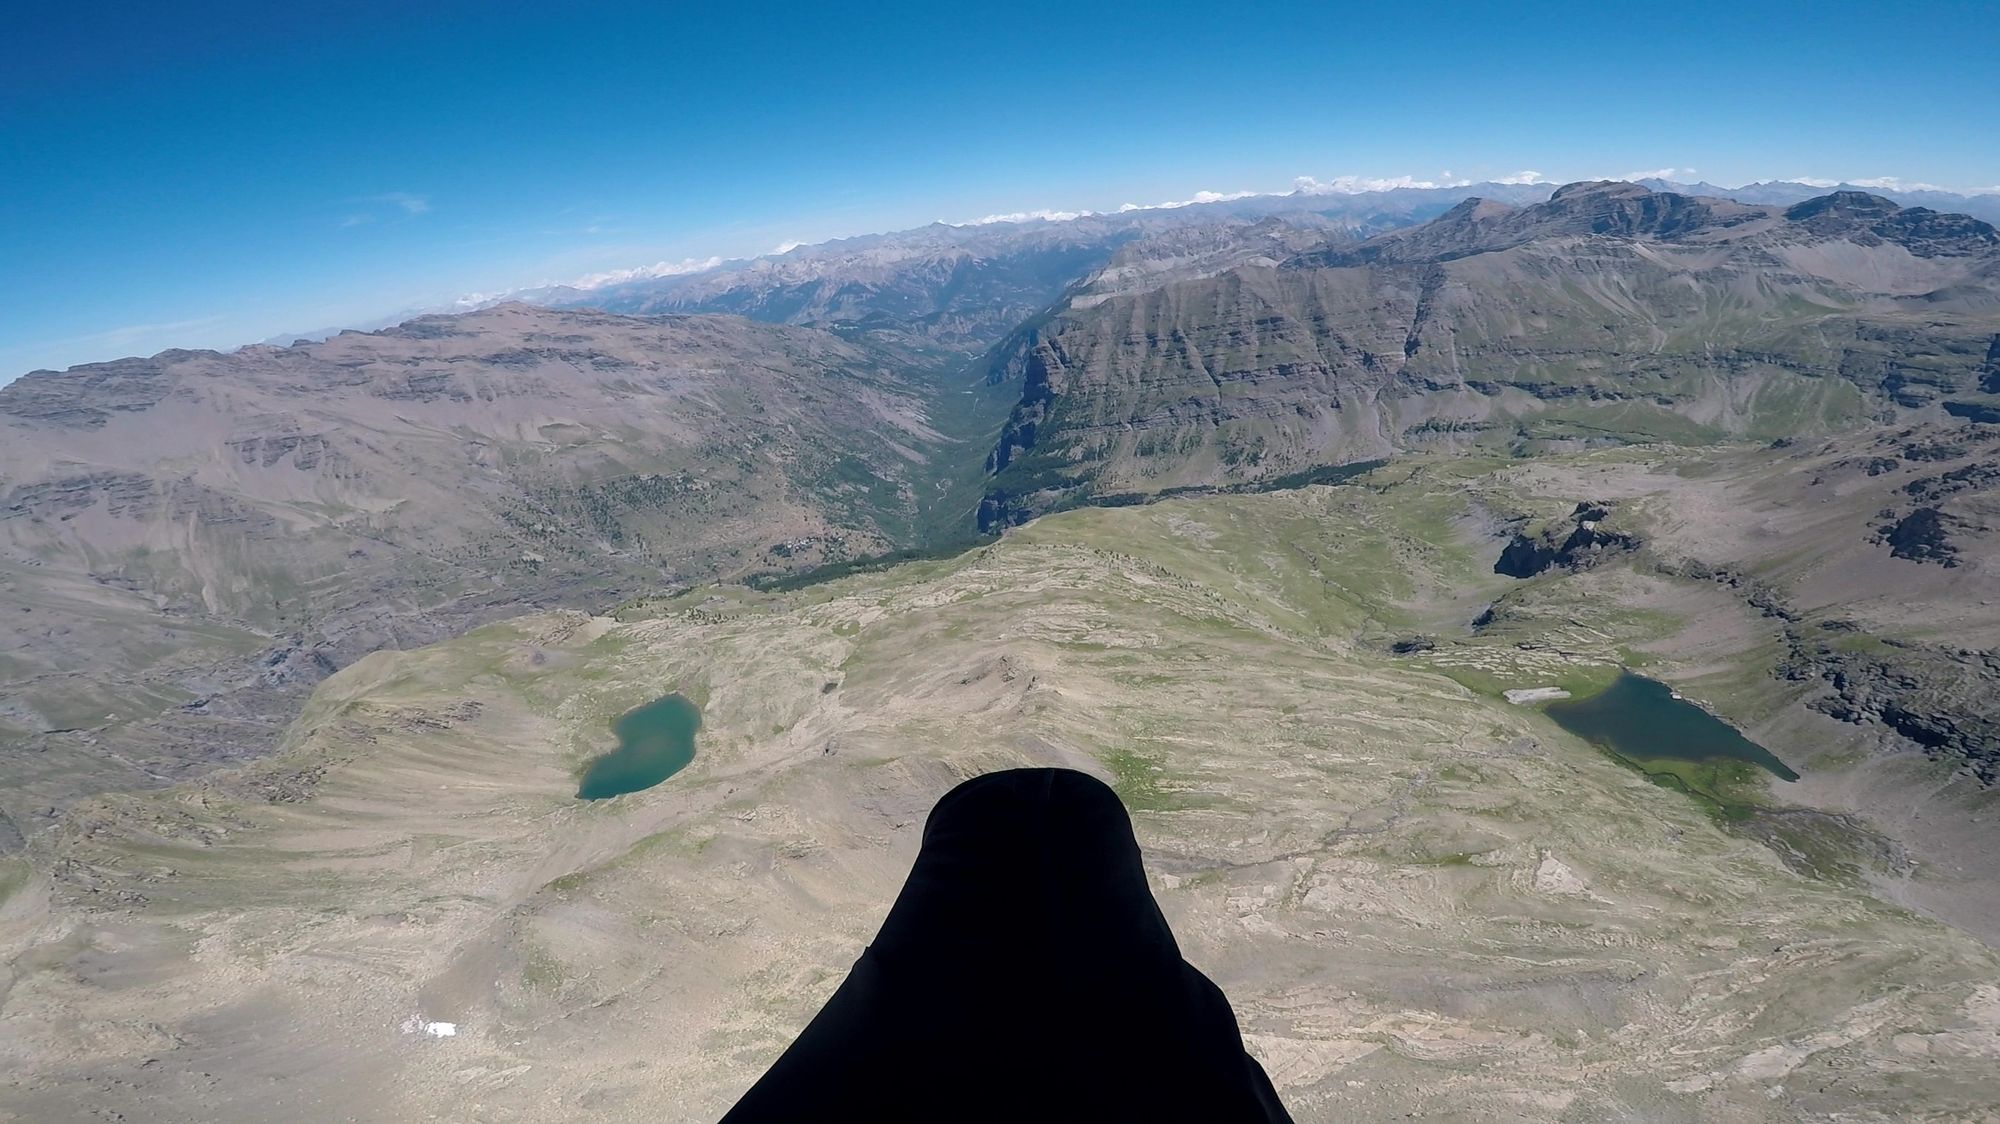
(1985, 205)
(960, 288)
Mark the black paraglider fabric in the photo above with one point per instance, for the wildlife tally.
(1024, 974)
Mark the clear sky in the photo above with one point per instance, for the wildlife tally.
(204, 174)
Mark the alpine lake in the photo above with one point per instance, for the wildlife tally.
(655, 741)
(1643, 720)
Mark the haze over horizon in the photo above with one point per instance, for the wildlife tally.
(210, 181)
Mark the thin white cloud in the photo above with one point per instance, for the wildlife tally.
(1523, 177)
(472, 301)
(127, 340)
(388, 203)
(1357, 185)
(132, 333)
(1042, 215)
(409, 202)
(1879, 183)
(785, 248)
(1892, 183)
(1198, 197)
(644, 272)
(1678, 175)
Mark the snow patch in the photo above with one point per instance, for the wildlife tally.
(417, 1024)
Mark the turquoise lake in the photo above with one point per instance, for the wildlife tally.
(655, 741)
(1641, 719)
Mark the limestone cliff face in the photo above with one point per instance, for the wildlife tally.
(1608, 313)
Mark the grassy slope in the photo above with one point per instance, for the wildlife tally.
(1419, 898)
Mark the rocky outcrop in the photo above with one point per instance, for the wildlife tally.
(1579, 542)
(1924, 535)
(64, 497)
(1934, 696)
(1985, 410)
(1938, 698)
(1946, 507)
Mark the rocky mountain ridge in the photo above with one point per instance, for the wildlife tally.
(883, 279)
(1608, 312)
(1979, 204)
(959, 289)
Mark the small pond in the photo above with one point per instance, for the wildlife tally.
(1644, 720)
(655, 741)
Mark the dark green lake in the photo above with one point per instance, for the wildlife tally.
(655, 741)
(1641, 719)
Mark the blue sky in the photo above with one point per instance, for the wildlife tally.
(208, 174)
